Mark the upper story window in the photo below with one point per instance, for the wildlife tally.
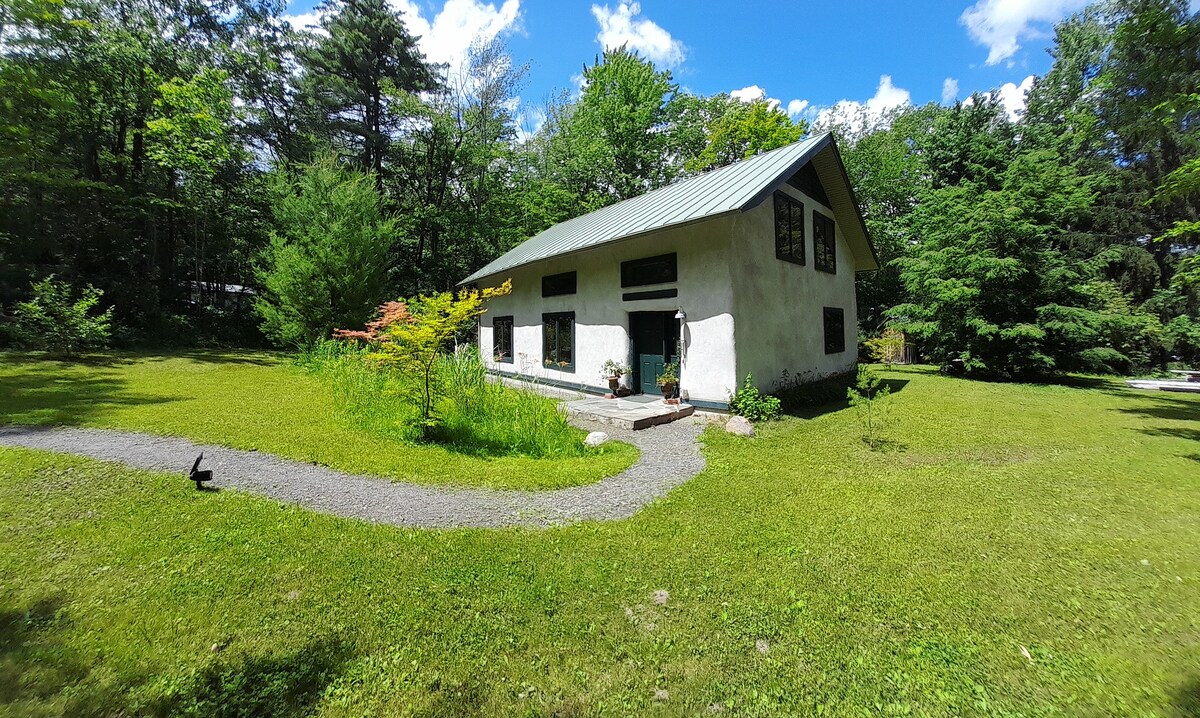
(555, 285)
(649, 270)
(502, 339)
(824, 243)
(789, 228)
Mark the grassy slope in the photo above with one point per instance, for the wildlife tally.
(258, 401)
(1058, 519)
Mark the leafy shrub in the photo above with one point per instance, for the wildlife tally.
(55, 321)
(868, 398)
(887, 348)
(753, 404)
(1102, 360)
(416, 340)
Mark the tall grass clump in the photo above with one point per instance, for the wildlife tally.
(373, 398)
(482, 416)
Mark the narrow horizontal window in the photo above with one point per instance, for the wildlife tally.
(556, 285)
(558, 341)
(835, 330)
(650, 294)
(789, 228)
(502, 339)
(649, 270)
(824, 243)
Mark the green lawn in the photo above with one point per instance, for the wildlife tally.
(1062, 522)
(263, 402)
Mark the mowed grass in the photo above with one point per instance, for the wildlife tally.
(1020, 550)
(264, 402)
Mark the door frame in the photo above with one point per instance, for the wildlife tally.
(670, 346)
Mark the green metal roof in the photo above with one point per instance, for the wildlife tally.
(733, 188)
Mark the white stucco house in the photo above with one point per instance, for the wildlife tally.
(747, 269)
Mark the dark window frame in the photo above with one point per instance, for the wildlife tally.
(835, 338)
(631, 269)
(788, 247)
(551, 356)
(497, 323)
(559, 285)
(825, 252)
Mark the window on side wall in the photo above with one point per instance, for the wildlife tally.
(789, 228)
(502, 339)
(824, 243)
(557, 285)
(558, 341)
(649, 270)
(835, 330)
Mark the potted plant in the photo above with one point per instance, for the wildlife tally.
(613, 371)
(669, 379)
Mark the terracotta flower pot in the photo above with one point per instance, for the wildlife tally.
(614, 383)
(668, 390)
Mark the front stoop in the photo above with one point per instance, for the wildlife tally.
(629, 413)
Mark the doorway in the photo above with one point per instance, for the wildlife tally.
(655, 342)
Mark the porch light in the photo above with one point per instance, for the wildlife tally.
(680, 315)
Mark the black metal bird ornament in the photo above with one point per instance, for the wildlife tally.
(200, 477)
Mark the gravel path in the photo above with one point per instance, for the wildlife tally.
(670, 457)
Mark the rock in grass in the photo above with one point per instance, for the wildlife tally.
(596, 438)
(662, 694)
(739, 426)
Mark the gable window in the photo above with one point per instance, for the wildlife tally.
(502, 340)
(558, 341)
(556, 285)
(649, 270)
(835, 330)
(789, 228)
(824, 243)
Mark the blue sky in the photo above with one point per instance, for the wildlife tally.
(816, 59)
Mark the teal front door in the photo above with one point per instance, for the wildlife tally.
(654, 335)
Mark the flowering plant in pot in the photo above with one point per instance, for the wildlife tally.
(669, 379)
(613, 371)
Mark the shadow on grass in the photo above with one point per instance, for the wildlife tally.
(38, 669)
(34, 665)
(259, 686)
(1173, 432)
(43, 393)
(1163, 407)
(1187, 698)
(812, 411)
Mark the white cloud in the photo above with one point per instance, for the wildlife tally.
(860, 117)
(1002, 24)
(1013, 97)
(623, 27)
(306, 20)
(752, 93)
(448, 37)
(795, 108)
(949, 90)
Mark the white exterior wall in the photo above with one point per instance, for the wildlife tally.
(602, 320)
(779, 305)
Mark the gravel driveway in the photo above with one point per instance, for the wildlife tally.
(670, 456)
